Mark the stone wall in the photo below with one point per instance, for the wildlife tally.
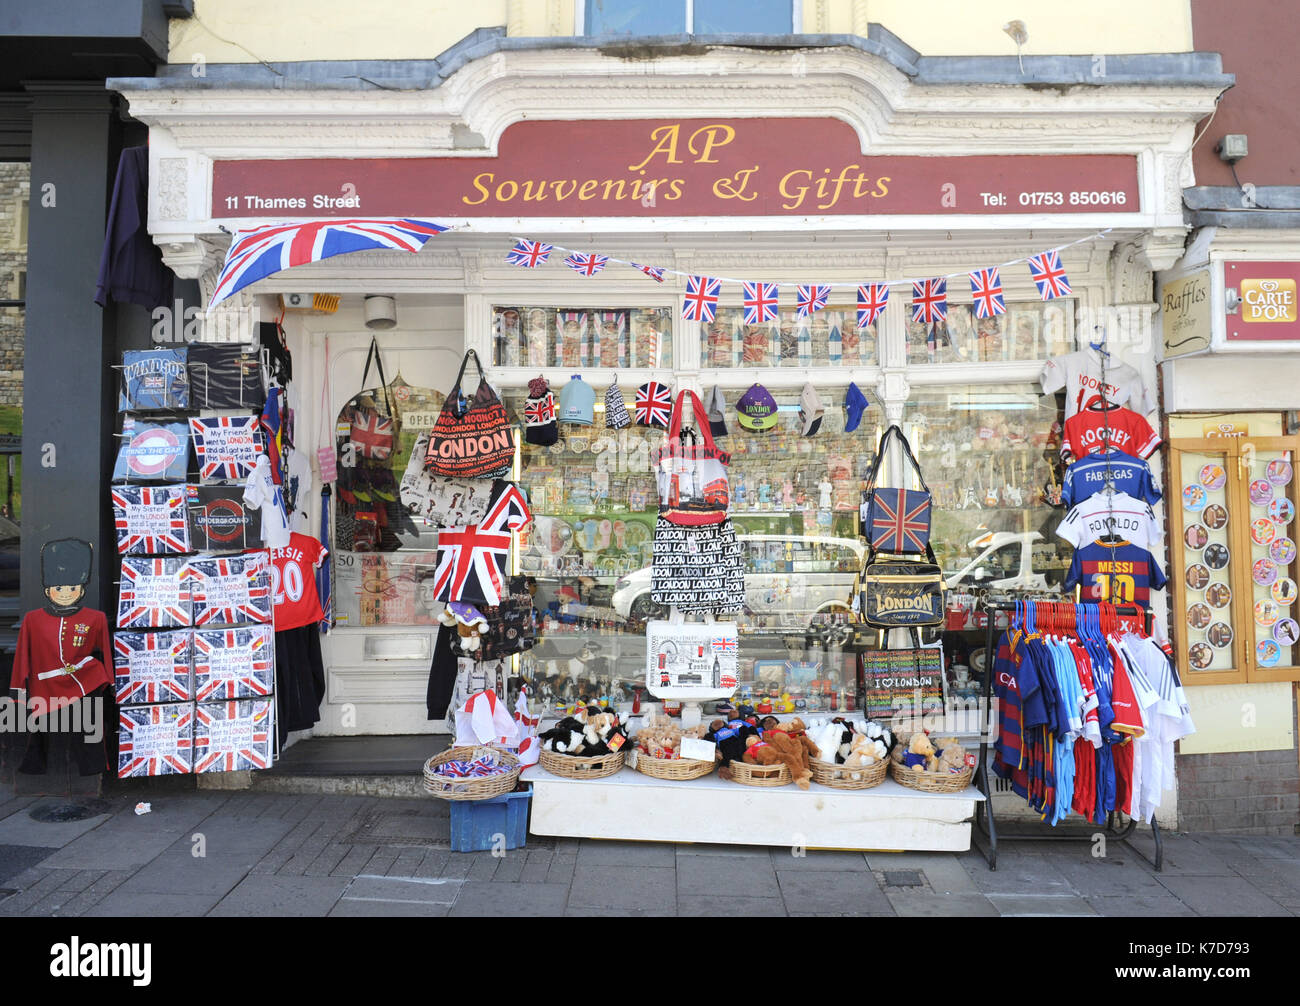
(14, 186)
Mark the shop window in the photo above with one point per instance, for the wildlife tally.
(1027, 331)
(696, 17)
(829, 337)
(582, 337)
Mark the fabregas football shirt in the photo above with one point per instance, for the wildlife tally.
(293, 580)
(1099, 429)
(1092, 473)
(1120, 574)
(1080, 374)
(1111, 515)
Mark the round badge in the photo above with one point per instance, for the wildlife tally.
(1213, 476)
(1281, 511)
(1215, 516)
(1201, 656)
(1267, 653)
(1198, 616)
(1266, 612)
(1218, 595)
(1198, 576)
(1197, 536)
(1262, 530)
(1283, 590)
(1220, 635)
(1216, 556)
(1261, 491)
(1282, 551)
(1287, 631)
(1264, 572)
(1279, 472)
(1194, 498)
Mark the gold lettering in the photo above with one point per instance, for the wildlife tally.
(665, 138)
(609, 185)
(674, 189)
(478, 184)
(734, 187)
(587, 189)
(560, 194)
(711, 140)
(514, 191)
(799, 195)
(882, 189)
(528, 191)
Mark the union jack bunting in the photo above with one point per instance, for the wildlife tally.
(653, 405)
(232, 736)
(472, 560)
(150, 519)
(809, 299)
(986, 289)
(655, 272)
(929, 300)
(155, 740)
(1049, 275)
(701, 298)
(873, 298)
(152, 667)
(154, 594)
(227, 446)
(528, 254)
(257, 253)
(233, 663)
(230, 590)
(586, 264)
(900, 520)
(760, 301)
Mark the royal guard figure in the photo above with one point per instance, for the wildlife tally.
(62, 649)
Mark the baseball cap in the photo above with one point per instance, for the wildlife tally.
(855, 403)
(717, 409)
(811, 410)
(577, 402)
(756, 409)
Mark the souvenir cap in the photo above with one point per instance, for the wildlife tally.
(756, 409)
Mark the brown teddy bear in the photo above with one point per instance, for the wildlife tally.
(777, 747)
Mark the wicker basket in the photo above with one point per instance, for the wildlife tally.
(477, 788)
(930, 782)
(676, 769)
(576, 767)
(760, 775)
(839, 777)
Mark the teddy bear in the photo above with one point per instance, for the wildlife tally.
(730, 737)
(469, 622)
(602, 735)
(827, 739)
(777, 747)
(919, 752)
(952, 757)
(797, 732)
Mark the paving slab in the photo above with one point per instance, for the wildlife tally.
(821, 862)
(942, 870)
(1142, 905)
(480, 899)
(1184, 857)
(714, 905)
(22, 829)
(177, 874)
(152, 904)
(726, 851)
(1040, 905)
(728, 878)
(923, 904)
(127, 840)
(594, 852)
(1018, 872)
(833, 892)
(624, 888)
(1107, 876)
(1221, 896)
(16, 859)
(280, 895)
(351, 908)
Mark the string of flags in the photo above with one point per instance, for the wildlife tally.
(761, 300)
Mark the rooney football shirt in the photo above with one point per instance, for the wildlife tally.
(1094, 472)
(1111, 515)
(1080, 374)
(293, 581)
(1103, 429)
(1120, 574)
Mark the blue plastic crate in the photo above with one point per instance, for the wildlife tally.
(476, 823)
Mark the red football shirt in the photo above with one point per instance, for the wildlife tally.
(1087, 430)
(293, 581)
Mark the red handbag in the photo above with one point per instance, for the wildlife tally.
(692, 476)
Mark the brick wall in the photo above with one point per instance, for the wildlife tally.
(15, 184)
(1247, 792)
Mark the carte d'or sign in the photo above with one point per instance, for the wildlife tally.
(676, 168)
(1267, 308)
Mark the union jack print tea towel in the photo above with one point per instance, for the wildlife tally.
(230, 591)
(230, 736)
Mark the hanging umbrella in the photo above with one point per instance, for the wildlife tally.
(257, 253)
(323, 587)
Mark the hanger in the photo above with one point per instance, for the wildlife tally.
(1100, 345)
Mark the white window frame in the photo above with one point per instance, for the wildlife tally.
(580, 17)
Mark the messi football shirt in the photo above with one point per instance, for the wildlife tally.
(1120, 574)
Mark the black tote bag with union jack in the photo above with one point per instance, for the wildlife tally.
(896, 520)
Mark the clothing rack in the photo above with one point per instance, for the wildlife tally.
(984, 811)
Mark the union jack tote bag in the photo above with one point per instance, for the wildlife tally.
(473, 437)
(691, 470)
(373, 435)
(896, 520)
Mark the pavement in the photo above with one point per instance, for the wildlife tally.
(271, 854)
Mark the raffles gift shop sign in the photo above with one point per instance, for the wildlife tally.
(1267, 307)
(676, 168)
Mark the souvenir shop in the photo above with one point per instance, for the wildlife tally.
(488, 404)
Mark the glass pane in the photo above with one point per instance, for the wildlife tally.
(15, 185)
(581, 337)
(827, 338)
(630, 17)
(1028, 331)
(1271, 489)
(749, 17)
(1208, 563)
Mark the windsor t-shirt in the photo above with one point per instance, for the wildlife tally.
(1120, 574)
(1101, 429)
(1092, 473)
(1080, 374)
(1111, 515)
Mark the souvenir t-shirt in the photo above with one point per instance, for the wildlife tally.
(1093, 472)
(293, 581)
(1120, 574)
(229, 590)
(1099, 429)
(1111, 514)
(227, 446)
(1080, 374)
(225, 375)
(150, 520)
(219, 520)
(154, 379)
(152, 451)
(260, 492)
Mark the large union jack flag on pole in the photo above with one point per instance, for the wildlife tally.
(152, 667)
(701, 298)
(760, 303)
(472, 560)
(986, 289)
(257, 253)
(150, 519)
(810, 298)
(900, 520)
(929, 300)
(1049, 275)
(873, 298)
(528, 254)
(233, 663)
(231, 736)
(155, 740)
(586, 264)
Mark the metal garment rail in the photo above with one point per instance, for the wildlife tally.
(984, 811)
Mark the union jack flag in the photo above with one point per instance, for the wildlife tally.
(588, 265)
(227, 446)
(472, 560)
(760, 303)
(154, 594)
(528, 254)
(655, 272)
(873, 298)
(152, 667)
(724, 644)
(809, 299)
(653, 405)
(540, 411)
(150, 519)
(929, 300)
(233, 663)
(701, 298)
(1049, 275)
(986, 289)
(230, 590)
(155, 740)
(231, 736)
(900, 520)
(257, 253)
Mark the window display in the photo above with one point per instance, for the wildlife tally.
(826, 338)
(582, 337)
(1029, 330)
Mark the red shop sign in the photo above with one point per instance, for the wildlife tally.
(676, 168)
(1267, 309)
